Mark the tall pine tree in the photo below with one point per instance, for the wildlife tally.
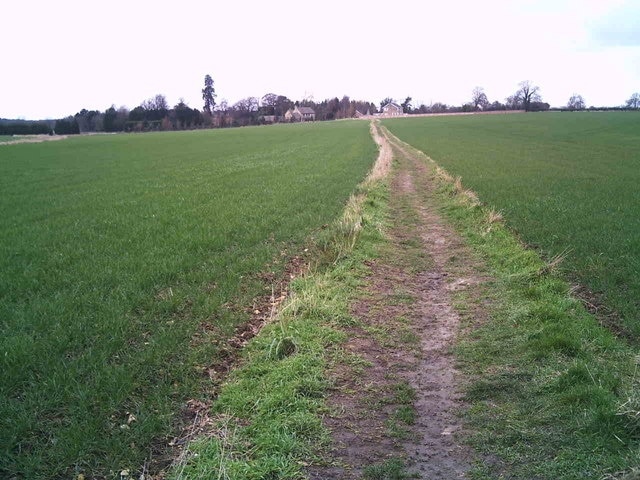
(208, 94)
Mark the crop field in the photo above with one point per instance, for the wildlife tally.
(121, 254)
(567, 183)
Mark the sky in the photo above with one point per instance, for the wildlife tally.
(60, 57)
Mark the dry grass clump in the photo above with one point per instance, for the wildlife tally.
(383, 163)
(471, 197)
(493, 218)
(633, 474)
(630, 408)
(457, 184)
(346, 229)
(340, 237)
(552, 265)
(468, 196)
(445, 176)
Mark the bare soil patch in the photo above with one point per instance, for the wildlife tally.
(34, 139)
(396, 390)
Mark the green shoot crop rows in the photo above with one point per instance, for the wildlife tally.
(567, 183)
(115, 250)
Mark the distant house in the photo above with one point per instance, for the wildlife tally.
(392, 110)
(300, 114)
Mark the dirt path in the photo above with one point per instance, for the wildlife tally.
(395, 407)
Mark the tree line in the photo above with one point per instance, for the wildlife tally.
(24, 127)
(527, 97)
(155, 113)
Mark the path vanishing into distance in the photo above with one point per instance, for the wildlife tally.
(318, 327)
(404, 401)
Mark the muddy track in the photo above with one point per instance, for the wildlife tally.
(406, 328)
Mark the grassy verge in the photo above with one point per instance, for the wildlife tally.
(266, 422)
(552, 394)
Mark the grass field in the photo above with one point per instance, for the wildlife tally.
(116, 250)
(550, 393)
(567, 183)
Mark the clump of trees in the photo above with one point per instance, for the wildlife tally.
(634, 101)
(336, 109)
(24, 127)
(274, 105)
(576, 102)
(526, 98)
(479, 99)
(406, 105)
(66, 126)
(155, 114)
(115, 120)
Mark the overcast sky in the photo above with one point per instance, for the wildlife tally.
(61, 56)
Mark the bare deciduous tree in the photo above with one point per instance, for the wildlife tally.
(153, 109)
(347, 110)
(249, 104)
(269, 100)
(576, 102)
(527, 93)
(634, 101)
(386, 101)
(479, 98)
(160, 102)
(438, 107)
(514, 102)
(157, 103)
(245, 112)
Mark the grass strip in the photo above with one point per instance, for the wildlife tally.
(552, 394)
(266, 422)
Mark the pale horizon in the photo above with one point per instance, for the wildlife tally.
(73, 55)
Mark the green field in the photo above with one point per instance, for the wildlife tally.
(118, 252)
(567, 183)
(5, 138)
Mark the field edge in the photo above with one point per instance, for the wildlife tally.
(551, 392)
(256, 430)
